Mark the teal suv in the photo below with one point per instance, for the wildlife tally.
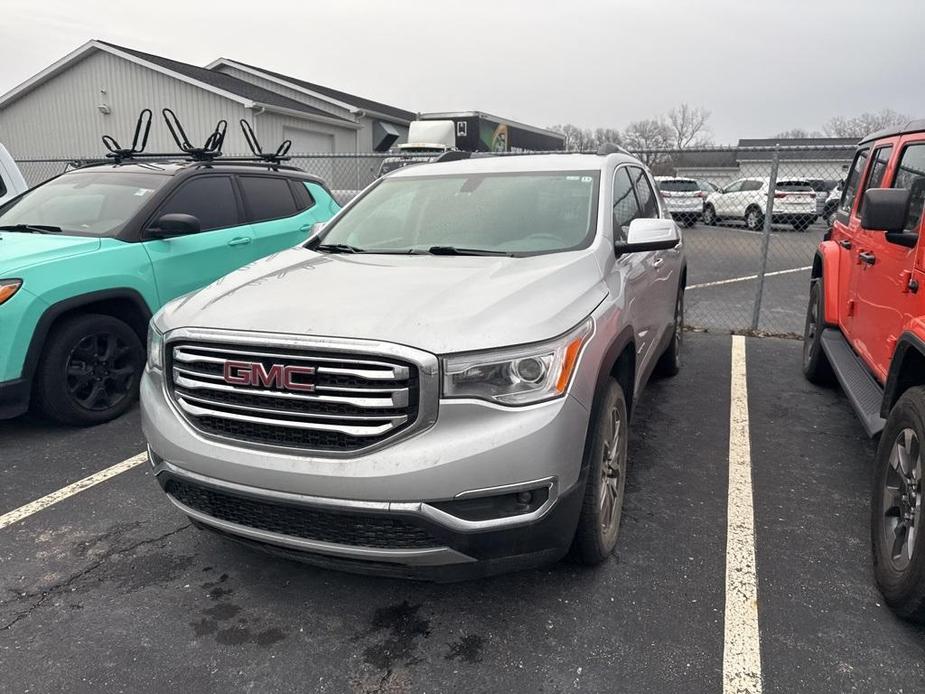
(86, 258)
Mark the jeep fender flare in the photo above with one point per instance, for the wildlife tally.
(907, 367)
(825, 265)
(56, 310)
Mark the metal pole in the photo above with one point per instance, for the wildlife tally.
(766, 237)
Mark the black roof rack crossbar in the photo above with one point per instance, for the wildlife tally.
(139, 140)
(212, 147)
(269, 157)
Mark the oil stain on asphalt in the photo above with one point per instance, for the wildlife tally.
(226, 624)
(404, 626)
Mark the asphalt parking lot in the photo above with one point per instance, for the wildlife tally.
(724, 262)
(111, 590)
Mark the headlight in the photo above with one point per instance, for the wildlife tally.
(8, 288)
(155, 349)
(517, 375)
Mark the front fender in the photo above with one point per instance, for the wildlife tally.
(825, 265)
(907, 367)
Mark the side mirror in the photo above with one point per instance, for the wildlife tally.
(649, 235)
(316, 228)
(174, 224)
(886, 209)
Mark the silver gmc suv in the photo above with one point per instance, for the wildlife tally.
(439, 383)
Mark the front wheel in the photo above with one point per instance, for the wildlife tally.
(669, 364)
(816, 365)
(896, 508)
(754, 220)
(599, 522)
(89, 371)
(709, 215)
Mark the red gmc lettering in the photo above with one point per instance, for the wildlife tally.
(243, 373)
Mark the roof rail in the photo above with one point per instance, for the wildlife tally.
(142, 128)
(611, 148)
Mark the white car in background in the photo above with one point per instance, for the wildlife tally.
(683, 198)
(745, 200)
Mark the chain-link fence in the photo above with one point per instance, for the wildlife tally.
(752, 220)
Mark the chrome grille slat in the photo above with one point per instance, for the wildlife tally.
(357, 398)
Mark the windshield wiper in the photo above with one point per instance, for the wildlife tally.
(337, 248)
(453, 250)
(31, 228)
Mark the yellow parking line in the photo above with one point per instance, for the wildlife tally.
(741, 646)
(50, 499)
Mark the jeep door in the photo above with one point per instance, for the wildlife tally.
(885, 301)
(281, 212)
(224, 242)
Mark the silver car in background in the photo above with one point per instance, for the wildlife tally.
(439, 384)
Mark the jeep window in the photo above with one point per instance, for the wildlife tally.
(625, 207)
(210, 199)
(648, 203)
(877, 170)
(86, 203)
(678, 186)
(521, 213)
(267, 198)
(911, 174)
(854, 179)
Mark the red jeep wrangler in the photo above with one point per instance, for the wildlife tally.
(865, 325)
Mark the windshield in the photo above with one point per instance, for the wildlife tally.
(85, 203)
(519, 213)
(678, 186)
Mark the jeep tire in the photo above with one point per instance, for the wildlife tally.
(602, 506)
(816, 365)
(89, 370)
(897, 540)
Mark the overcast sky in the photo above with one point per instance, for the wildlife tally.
(759, 67)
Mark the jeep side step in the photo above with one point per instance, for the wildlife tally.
(863, 391)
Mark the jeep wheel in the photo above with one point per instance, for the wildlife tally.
(89, 371)
(599, 523)
(669, 364)
(896, 508)
(816, 365)
(709, 216)
(754, 220)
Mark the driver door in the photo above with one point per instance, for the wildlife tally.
(184, 264)
(725, 203)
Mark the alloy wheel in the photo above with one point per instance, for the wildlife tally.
(902, 507)
(812, 324)
(100, 371)
(613, 468)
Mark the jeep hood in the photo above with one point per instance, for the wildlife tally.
(19, 250)
(440, 304)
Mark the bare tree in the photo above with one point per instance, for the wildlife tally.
(688, 126)
(584, 139)
(798, 134)
(863, 124)
(643, 136)
(604, 135)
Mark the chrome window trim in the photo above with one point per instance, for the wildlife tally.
(427, 364)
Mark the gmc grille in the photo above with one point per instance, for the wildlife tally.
(356, 401)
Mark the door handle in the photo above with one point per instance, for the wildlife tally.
(845, 243)
(867, 257)
(305, 228)
(657, 262)
(240, 241)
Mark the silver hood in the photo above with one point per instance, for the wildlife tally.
(440, 304)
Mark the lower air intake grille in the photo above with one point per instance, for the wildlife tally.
(361, 530)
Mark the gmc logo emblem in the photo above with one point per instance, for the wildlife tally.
(246, 373)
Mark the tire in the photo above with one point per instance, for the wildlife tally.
(816, 366)
(754, 219)
(89, 370)
(669, 364)
(709, 216)
(896, 508)
(599, 521)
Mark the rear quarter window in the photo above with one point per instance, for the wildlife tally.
(267, 197)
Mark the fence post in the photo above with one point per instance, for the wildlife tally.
(766, 236)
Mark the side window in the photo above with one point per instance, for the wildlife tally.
(266, 198)
(625, 207)
(911, 174)
(648, 203)
(751, 185)
(876, 172)
(2, 187)
(853, 181)
(734, 187)
(210, 199)
(303, 198)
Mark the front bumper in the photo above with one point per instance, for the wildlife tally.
(473, 449)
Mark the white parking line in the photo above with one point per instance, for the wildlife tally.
(70, 490)
(741, 647)
(746, 278)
